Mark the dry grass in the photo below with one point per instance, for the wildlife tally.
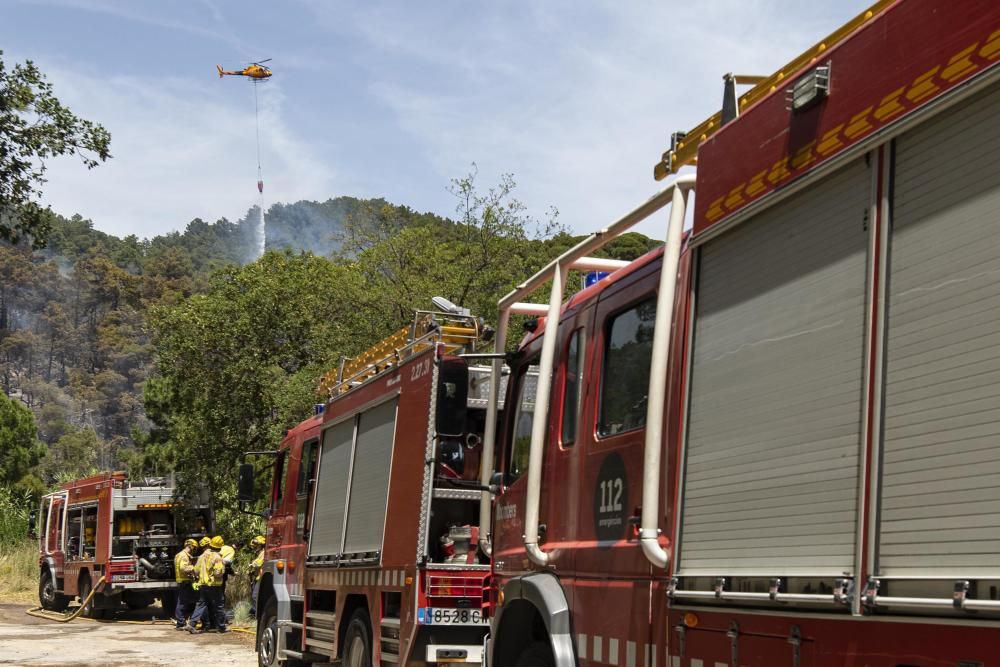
(19, 573)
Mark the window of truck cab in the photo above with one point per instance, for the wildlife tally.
(278, 492)
(572, 395)
(523, 401)
(628, 349)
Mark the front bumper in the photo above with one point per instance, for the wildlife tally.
(136, 585)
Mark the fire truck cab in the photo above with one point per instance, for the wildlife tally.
(106, 527)
(773, 442)
(372, 523)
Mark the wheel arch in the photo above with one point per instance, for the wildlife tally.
(49, 564)
(535, 604)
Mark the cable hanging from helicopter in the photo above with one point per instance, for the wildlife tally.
(256, 72)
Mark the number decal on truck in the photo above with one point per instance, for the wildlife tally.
(611, 495)
(611, 500)
(420, 369)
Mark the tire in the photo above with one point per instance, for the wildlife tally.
(538, 654)
(91, 610)
(48, 597)
(137, 601)
(168, 600)
(267, 638)
(358, 641)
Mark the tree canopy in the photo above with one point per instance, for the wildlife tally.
(36, 126)
(19, 446)
(168, 354)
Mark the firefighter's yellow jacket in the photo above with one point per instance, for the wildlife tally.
(210, 568)
(228, 553)
(258, 565)
(183, 569)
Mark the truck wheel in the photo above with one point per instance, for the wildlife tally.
(47, 595)
(136, 601)
(91, 609)
(168, 600)
(539, 654)
(358, 641)
(267, 639)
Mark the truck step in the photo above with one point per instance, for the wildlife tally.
(322, 619)
(320, 633)
(305, 656)
(321, 646)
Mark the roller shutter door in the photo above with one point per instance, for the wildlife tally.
(940, 502)
(774, 425)
(370, 482)
(326, 536)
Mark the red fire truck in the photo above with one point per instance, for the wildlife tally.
(372, 529)
(106, 526)
(773, 442)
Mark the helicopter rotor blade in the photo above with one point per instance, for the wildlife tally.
(260, 62)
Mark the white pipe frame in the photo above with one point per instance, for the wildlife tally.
(649, 529)
(556, 271)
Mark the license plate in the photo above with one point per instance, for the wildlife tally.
(446, 616)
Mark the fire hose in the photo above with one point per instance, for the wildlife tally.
(38, 612)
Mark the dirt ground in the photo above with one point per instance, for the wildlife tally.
(26, 640)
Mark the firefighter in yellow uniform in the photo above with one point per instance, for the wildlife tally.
(257, 568)
(199, 611)
(184, 574)
(228, 553)
(211, 606)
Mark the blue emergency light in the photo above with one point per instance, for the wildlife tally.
(594, 277)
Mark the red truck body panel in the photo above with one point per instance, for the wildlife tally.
(896, 74)
(897, 64)
(394, 585)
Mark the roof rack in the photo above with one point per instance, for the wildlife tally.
(454, 332)
(684, 145)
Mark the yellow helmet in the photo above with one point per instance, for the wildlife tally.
(204, 541)
(190, 543)
(259, 540)
(217, 542)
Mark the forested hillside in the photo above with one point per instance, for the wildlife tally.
(175, 352)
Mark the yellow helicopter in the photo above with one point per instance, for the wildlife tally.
(255, 71)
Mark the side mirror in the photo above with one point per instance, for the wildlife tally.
(452, 398)
(245, 488)
(33, 524)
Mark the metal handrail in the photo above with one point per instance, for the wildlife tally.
(759, 597)
(843, 590)
(556, 271)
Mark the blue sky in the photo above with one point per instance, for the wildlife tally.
(393, 99)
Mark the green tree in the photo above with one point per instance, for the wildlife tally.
(36, 126)
(239, 364)
(19, 446)
(72, 456)
(492, 245)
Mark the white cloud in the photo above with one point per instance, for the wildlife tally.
(578, 102)
(181, 150)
